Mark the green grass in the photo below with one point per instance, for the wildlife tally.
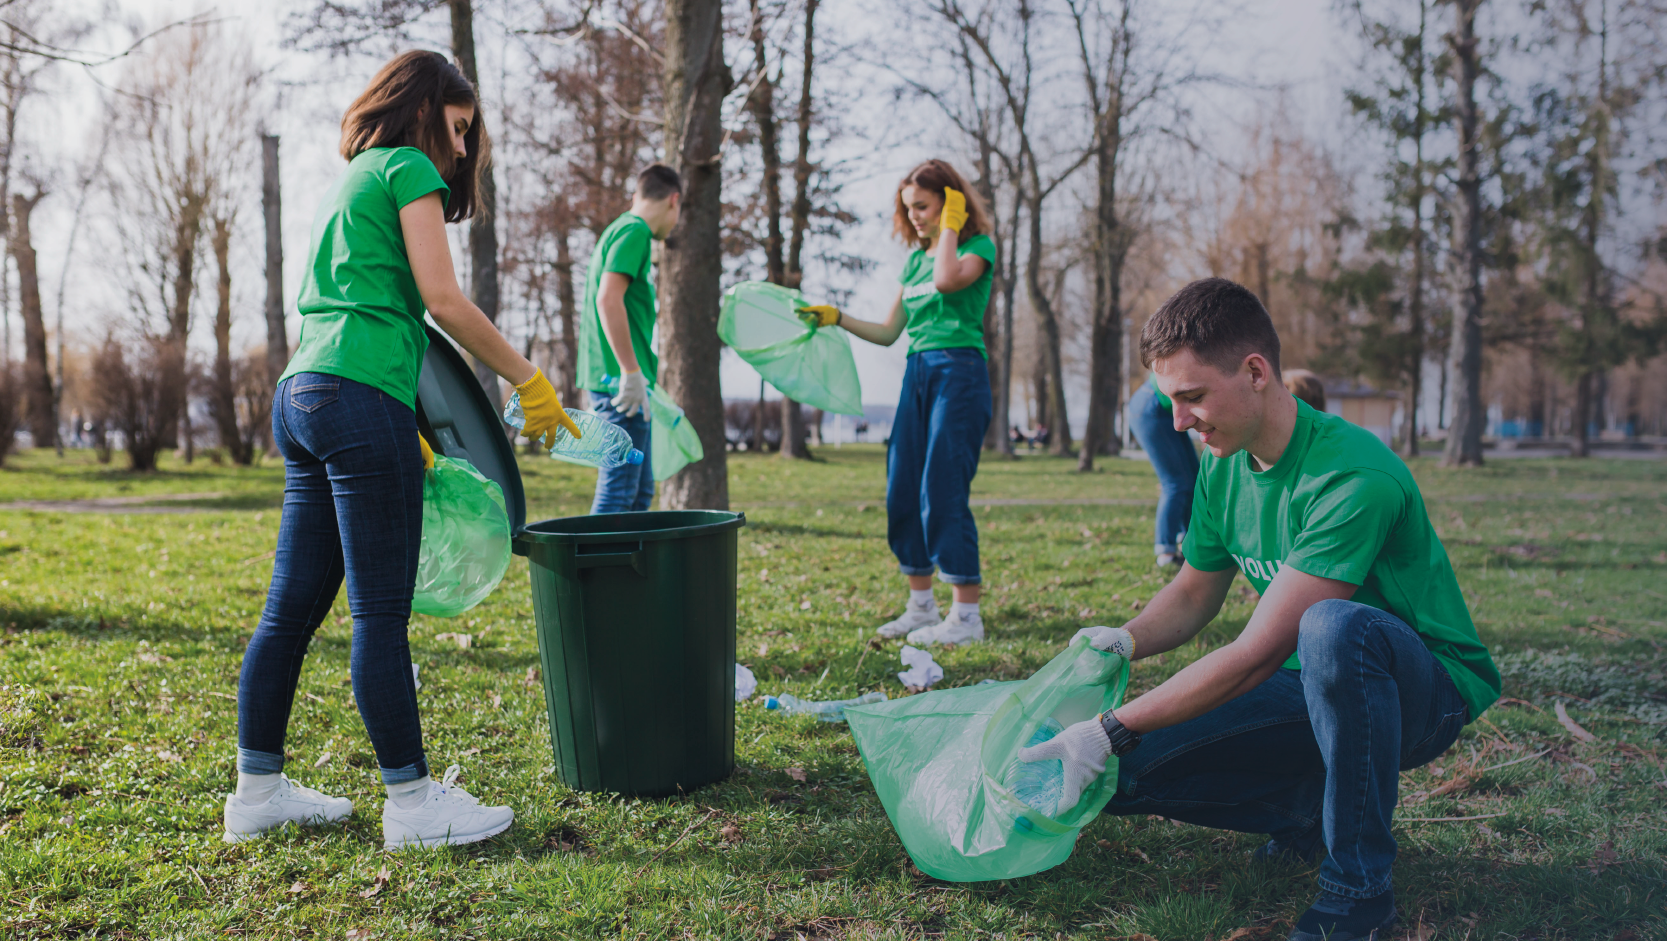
(122, 635)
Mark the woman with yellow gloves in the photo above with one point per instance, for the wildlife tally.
(343, 417)
(945, 407)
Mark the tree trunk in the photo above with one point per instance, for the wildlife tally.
(793, 446)
(1048, 333)
(1581, 423)
(1007, 282)
(801, 159)
(277, 339)
(40, 408)
(188, 227)
(1464, 439)
(763, 107)
(1105, 361)
(758, 415)
(483, 225)
(695, 81)
(224, 400)
(568, 311)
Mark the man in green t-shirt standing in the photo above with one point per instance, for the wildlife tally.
(1359, 661)
(616, 331)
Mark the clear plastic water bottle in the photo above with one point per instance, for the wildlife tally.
(1039, 783)
(828, 711)
(604, 444)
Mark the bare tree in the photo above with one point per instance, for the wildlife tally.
(138, 394)
(39, 401)
(181, 123)
(792, 416)
(277, 339)
(696, 79)
(1014, 79)
(1464, 355)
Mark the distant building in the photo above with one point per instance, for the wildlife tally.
(1372, 409)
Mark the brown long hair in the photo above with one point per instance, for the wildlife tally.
(937, 175)
(405, 106)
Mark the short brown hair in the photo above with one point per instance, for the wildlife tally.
(1306, 386)
(938, 175)
(405, 106)
(657, 181)
(1219, 320)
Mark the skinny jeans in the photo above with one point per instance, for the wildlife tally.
(1176, 462)
(353, 509)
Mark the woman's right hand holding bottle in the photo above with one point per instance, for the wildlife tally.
(542, 408)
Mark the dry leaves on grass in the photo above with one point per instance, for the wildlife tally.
(531, 679)
(797, 774)
(377, 886)
(463, 641)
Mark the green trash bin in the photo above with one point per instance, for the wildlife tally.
(635, 614)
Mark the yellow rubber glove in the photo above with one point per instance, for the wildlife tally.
(820, 315)
(542, 407)
(954, 214)
(428, 452)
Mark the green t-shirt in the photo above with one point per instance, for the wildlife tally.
(1164, 400)
(624, 247)
(947, 321)
(361, 313)
(1341, 505)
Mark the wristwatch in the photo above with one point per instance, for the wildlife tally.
(1123, 739)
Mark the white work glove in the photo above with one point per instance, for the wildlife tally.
(633, 394)
(1115, 640)
(1082, 749)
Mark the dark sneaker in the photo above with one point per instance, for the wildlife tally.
(1335, 918)
(1307, 848)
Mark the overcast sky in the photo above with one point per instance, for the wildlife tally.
(1296, 44)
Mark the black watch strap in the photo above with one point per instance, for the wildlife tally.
(1123, 739)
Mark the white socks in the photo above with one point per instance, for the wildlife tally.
(411, 793)
(921, 600)
(257, 788)
(966, 610)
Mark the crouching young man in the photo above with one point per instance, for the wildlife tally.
(1359, 661)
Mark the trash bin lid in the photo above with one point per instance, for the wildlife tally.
(459, 421)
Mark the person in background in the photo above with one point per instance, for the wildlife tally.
(1173, 457)
(616, 332)
(946, 405)
(344, 418)
(1306, 386)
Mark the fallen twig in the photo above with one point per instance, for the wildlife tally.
(1573, 727)
(1515, 761)
(1448, 819)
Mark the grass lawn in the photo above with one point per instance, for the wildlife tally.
(123, 631)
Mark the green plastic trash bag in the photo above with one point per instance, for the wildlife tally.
(674, 442)
(809, 365)
(941, 763)
(465, 549)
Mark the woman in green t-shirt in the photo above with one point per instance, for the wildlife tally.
(945, 407)
(343, 416)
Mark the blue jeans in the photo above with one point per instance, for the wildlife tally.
(1175, 460)
(935, 443)
(1321, 746)
(629, 487)
(353, 507)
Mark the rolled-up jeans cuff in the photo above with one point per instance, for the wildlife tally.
(259, 762)
(411, 772)
(911, 570)
(949, 579)
(1368, 893)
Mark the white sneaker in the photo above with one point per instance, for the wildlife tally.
(447, 817)
(291, 804)
(912, 618)
(955, 629)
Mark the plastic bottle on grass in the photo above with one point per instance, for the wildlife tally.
(604, 444)
(829, 711)
(1039, 783)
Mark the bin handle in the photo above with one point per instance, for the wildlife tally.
(595, 560)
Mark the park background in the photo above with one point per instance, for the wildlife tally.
(1510, 288)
